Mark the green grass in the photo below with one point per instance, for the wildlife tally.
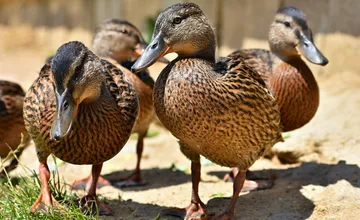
(19, 193)
(16, 200)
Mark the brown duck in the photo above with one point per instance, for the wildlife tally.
(223, 111)
(81, 109)
(285, 74)
(11, 122)
(120, 42)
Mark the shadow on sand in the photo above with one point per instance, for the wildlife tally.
(154, 177)
(284, 200)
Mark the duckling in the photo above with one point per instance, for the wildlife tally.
(221, 111)
(11, 122)
(120, 42)
(285, 74)
(82, 110)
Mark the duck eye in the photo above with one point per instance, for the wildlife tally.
(66, 105)
(287, 24)
(77, 71)
(77, 74)
(177, 20)
(123, 31)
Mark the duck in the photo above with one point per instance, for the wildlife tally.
(221, 110)
(82, 110)
(11, 123)
(120, 42)
(284, 71)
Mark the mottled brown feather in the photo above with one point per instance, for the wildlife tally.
(292, 84)
(11, 119)
(144, 93)
(101, 127)
(229, 117)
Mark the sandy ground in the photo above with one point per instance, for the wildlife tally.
(323, 183)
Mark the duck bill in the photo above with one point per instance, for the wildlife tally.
(140, 48)
(65, 110)
(153, 52)
(307, 48)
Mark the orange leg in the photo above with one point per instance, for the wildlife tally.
(250, 184)
(87, 203)
(45, 199)
(135, 178)
(132, 180)
(238, 184)
(196, 208)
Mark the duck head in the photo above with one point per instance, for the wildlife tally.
(77, 80)
(183, 29)
(290, 37)
(119, 40)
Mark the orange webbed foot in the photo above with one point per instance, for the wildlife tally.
(44, 203)
(193, 211)
(130, 181)
(85, 183)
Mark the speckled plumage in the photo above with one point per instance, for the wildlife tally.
(286, 75)
(144, 93)
(229, 118)
(292, 84)
(11, 119)
(120, 42)
(219, 110)
(116, 40)
(106, 110)
(101, 128)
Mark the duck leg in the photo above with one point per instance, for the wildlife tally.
(196, 208)
(45, 199)
(252, 182)
(135, 178)
(238, 184)
(90, 202)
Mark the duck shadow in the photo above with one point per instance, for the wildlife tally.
(154, 178)
(284, 200)
(129, 209)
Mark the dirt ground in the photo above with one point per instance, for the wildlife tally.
(323, 183)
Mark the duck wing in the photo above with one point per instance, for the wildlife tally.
(259, 60)
(122, 90)
(39, 102)
(225, 65)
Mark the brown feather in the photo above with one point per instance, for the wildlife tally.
(11, 118)
(101, 127)
(292, 84)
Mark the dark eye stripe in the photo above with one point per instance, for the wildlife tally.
(297, 33)
(78, 69)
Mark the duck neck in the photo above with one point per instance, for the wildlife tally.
(104, 96)
(285, 56)
(207, 53)
(294, 65)
(206, 49)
